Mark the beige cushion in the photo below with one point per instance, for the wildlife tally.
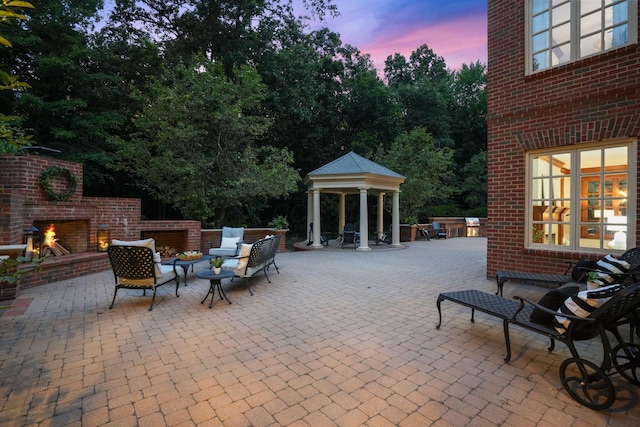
(145, 243)
(244, 256)
(164, 273)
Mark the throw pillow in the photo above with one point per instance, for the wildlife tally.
(229, 242)
(610, 269)
(245, 251)
(583, 304)
(146, 243)
(552, 300)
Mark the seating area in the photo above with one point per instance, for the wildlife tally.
(595, 301)
(340, 340)
(585, 381)
(573, 274)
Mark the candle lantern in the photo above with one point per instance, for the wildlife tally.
(102, 238)
(34, 243)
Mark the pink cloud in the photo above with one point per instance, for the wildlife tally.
(459, 40)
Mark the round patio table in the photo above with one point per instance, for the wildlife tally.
(215, 282)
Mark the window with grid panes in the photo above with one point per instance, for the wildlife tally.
(561, 31)
(582, 198)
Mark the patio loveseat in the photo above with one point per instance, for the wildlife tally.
(254, 258)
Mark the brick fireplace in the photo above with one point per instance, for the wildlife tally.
(23, 204)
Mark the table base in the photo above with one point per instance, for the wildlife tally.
(215, 283)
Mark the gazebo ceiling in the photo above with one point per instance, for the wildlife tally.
(350, 173)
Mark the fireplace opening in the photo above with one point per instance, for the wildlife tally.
(62, 237)
(168, 243)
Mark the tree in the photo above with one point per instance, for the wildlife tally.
(474, 184)
(422, 88)
(193, 144)
(469, 111)
(427, 169)
(12, 136)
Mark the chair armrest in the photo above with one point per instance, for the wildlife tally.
(569, 267)
(524, 301)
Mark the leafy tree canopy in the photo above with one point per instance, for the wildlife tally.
(193, 144)
(427, 169)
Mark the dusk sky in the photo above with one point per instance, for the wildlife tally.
(454, 29)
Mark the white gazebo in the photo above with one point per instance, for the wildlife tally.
(353, 174)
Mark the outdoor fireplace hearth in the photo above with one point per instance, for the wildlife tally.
(83, 225)
(63, 237)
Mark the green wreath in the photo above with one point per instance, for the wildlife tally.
(62, 196)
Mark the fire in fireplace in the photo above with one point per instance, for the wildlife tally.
(62, 237)
(50, 245)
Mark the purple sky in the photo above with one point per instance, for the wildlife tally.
(454, 29)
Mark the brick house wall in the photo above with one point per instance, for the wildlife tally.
(589, 100)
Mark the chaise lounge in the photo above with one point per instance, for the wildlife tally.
(586, 382)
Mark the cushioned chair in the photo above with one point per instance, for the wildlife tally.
(136, 265)
(254, 258)
(438, 230)
(349, 235)
(230, 242)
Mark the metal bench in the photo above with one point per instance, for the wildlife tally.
(503, 276)
(589, 384)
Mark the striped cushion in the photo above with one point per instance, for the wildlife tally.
(609, 270)
(583, 304)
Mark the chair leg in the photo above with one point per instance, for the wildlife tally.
(246, 280)
(152, 299)
(114, 298)
(264, 270)
(177, 286)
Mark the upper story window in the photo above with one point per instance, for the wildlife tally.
(561, 31)
(582, 198)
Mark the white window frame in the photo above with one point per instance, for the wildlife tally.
(575, 197)
(575, 38)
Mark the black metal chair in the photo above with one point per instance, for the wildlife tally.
(438, 230)
(349, 236)
(134, 267)
(587, 382)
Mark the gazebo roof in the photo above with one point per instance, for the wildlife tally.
(352, 172)
(353, 163)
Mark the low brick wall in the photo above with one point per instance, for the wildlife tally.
(65, 267)
(211, 237)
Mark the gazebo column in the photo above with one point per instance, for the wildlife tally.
(395, 220)
(380, 227)
(309, 213)
(341, 214)
(317, 238)
(364, 224)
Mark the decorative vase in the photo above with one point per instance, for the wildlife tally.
(217, 270)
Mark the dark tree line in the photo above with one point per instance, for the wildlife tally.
(215, 110)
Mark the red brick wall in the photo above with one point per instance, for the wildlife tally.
(211, 237)
(589, 100)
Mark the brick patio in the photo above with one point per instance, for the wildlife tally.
(340, 337)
